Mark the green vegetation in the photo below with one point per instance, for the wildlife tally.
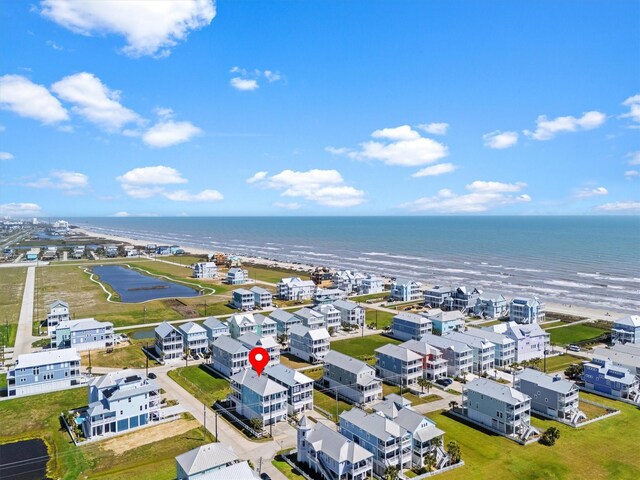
(11, 289)
(42, 343)
(372, 296)
(286, 469)
(578, 454)
(574, 334)
(130, 356)
(388, 389)
(592, 411)
(3, 381)
(560, 362)
(315, 373)
(563, 317)
(272, 275)
(187, 260)
(201, 384)
(362, 347)
(382, 319)
(327, 401)
(290, 361)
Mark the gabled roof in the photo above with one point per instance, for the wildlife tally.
(629, 321)
(550, 382)
(346, 362)
(242, 291)
(262, 320)
(403, 281)
(492, 296)
(235, 270)
(236, 471)
(444, 343)
(205, 458)
(519, 331)
(229, 345)
(283, 316)
(415, 423)
(287, 375)
(58, 303)
(242, 319)
(471, 340)
(191, 327)
(398, 352)
(412, 317)
(437, 315)
(528, 301)
(626, 357)
(251, 339)
(315, 334)
(376, 424)
(213, 323)
(492, 336)
(336, 446)
(262, 385)
(83, 324)
(165, 329)
(497, 390)
(345, 305)
(308, 314)
(260, 290)
(38, 359)
(420, 347)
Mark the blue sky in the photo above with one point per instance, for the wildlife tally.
(319, 108)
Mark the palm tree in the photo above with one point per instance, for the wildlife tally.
(453, 404)
(453, 450)
(391, 472)
(429, 385)
(422, 382)
(429, 461)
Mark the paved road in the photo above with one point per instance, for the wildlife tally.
(24, 337)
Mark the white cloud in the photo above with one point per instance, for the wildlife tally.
(272, 76)
(73, 183)
(634, 108)
(403, 132)
(20, 95)
(20, 209)
(287, 206)
(158, 175)
(150, 28)
(434, 170)
(629, 174)
(591, 192)
(169, 133)
(54, 45)
(121, 214)
(623, 206)
(324, 187)
(94, 101)
(434, 128)
(634, 158)
(337, 151)
(203, 196)
(244, 84)
(5, 156)
(547, 129)
(127, 214)
(482, 196)
(500, 140)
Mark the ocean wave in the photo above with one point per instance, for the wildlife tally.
(518, 269)
(314, 254)
(564, 283)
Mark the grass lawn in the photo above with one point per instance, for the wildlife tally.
(388, 389)
(273, 275)
(201, 384)
(315, 373)
(290, 361)
(187, 260)
(11, 289)
(384, 318)
(372, 296)
(578, 453)
(130, 356)
(286, 469)
(561, 362)
(592, 411)
(328, 402)
(3, 380)
(362, 347)
(574, 333)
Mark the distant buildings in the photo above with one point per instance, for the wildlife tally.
(41, 372)
(237, 276)
(84, 334)
(350, 313)
(602, 376)
(242, 323)
(526, 310)
(626, 330)
(293, 288)
(205, 270)
(262, 297)
(371, 284)
(58, 312)
(490, 305)
(258, 397)
(299, 387)
(625, 355)
(309, 345)
(450, 298)
(328, 295)
(530, 339)
(405, 290)
(213, 461)
(348, 281)
(410, 326)
(354, 379)
(242, 299)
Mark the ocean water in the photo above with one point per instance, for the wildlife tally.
(583, 260)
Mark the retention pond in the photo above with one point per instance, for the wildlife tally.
(25, 460)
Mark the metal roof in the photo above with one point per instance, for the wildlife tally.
(205, 458)
(38, 359)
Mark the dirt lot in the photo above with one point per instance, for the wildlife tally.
(122, 444)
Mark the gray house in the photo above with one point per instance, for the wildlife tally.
(262, 297)
(41, 372)
(242, 299)
(284, 321)
(309, 345)
(215, 328)
(299, 387)
(458, 355)
(258, 397)
(213, 461)
(526, 310)
(251, 340)
(398, 365)
(483, 351)
(310, 318)
(58, 312)
(229, 356)
(350, 312)
(168, 342)
(84, 334)
(410, 326)
(353, 379)
(332, 316)
(194, 338)
(490, 305)
(505, 354)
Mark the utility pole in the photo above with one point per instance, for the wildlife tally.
(217, 440)
(336, 404)
(260, 466)
(147, 358)
(89, 369)
(271, 419)
(205, 307)
(204, 423)
(376, 319)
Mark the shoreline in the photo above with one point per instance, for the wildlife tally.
(590, 313)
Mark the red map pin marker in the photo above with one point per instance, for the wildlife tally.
(258, 358)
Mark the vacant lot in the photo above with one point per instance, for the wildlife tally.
(272, 275)
(327, 401)
(574, 333)
(561, 362)
(362, 347)
(130, 356)
(380, 319)
(201, 384)
(11, 289)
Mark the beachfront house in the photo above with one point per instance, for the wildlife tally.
(435, 297)
(262, 297)
(237, 276)
(329, 454)
(371, 284)
(58, 311)
(258, 397)
(483, 351)
(490, 305)
(168, 342)
(84, 334)
(551, 395)
(40, 372)
(505, 353)
(398, 365)
(526, 310)
(626, 330)
(194, 337)
(445, 322)
(293, 288)
(410, 326)
(458, 355)
(284, 320)
(213, 461)
(625, 355)
(252, 340)
(215, 329)
(405, 290)
(350, 312)
(353, 379)
(328, 295)
(309, 345)
(499, 408)
(242, 299)
(603, 377)
(311, 319)
(348, 281)
(434, 365)
(229, 356)
(205, 270)
(531, 340)
(120, 402)
(322, 277)
(332, 316)
(299, 387)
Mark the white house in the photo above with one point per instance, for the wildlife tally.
(237, 276)
(258, 397)
(531, 340)
(626, 330)
(405, 290)
(83, 334)
(299, 387)
(205, 270)
(229, 356)
(372, 284)
(311, 319)
(526, 310)
(215, 328)
(213, 461)
(169, 343)
(309, 345)
(194, 338)
(293, 288)
(332, 316)
(350, 312)
(58, 312)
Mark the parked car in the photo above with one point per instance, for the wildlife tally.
(152, 375)
(445, 382)
(573, 348)
(264, 476)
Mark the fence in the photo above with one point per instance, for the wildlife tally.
(437, 472)
(238, 422)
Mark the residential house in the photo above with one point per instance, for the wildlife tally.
(84, 334)
(405, 290)
(462, 298)
(483, 351)
(435, 297)
(389, 443)
(229, 356)
(602, 376)
(490, 305)
(237, 276)
(311, 319)
(625, 355)
(32, 254)
(119, 402)
(284, 321)
(47, 371)
(262, 297)
(265, 326)
(434, 365)
(328, 295)
(531, 340)
(241, 323)
(58, 312)
(257, 396)
(626, 330)
(299, 387)
(350, 312)
(242, 299)
(293, 288)
(550, 395)
(205, 270)
(498, 407)
(526, 310)
(169, 344)
(213, 461)
(458, 355)
(398, 365)
(252, 340)
(309, 345)
(444, 322)
(371, 284)
(331, 455)
(332, 316)
(215, 329)
(505, 347)
(410, 326)
(354, 379)
(194, 338)
(322, 277)
(348, 281)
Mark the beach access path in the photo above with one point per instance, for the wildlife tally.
(24, 334)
